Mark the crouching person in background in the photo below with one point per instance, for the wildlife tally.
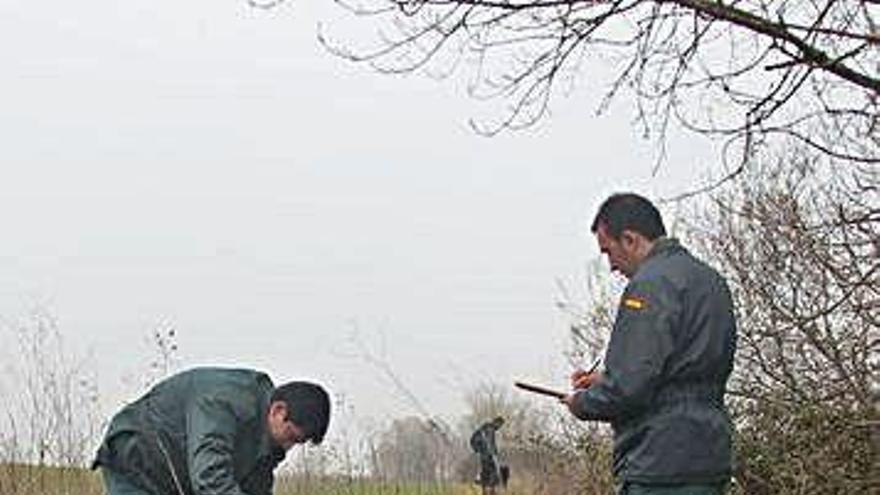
(210, 431)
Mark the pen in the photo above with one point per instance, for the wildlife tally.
(593, 367)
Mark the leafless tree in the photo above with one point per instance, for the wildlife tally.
(51, 413)
(747, 72)
(800, 242)
(166, 359)
(411, 450)
(591, 308)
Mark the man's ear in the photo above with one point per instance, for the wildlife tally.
(629, 239)
(278, 408)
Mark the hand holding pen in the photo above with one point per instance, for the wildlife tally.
(581, 379)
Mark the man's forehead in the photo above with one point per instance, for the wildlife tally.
(602, 234)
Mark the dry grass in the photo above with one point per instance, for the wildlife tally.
(21, 479)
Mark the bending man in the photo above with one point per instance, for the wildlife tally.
(210, 431)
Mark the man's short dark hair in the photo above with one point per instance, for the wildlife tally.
(308, 407)
(630, 211)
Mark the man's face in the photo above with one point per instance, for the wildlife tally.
(284, 432)
(622, 254)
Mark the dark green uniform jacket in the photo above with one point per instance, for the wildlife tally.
(666, 368)
(201, 432)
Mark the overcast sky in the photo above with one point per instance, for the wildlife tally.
(209, 166)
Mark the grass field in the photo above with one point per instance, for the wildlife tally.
(19, 479)
(367, 487)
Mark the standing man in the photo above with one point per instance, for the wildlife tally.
(492, 473)
(668, 360)
(210, 431)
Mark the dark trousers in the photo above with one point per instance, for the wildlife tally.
(696, 489)
(117, 484)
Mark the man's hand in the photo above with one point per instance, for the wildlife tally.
(581, 379)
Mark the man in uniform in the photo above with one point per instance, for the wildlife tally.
(668, 360)
(492, 472)
(210, 431)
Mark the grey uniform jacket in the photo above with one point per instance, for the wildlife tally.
(666, 368)
(201, 432)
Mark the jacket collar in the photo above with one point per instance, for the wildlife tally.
(663, 245)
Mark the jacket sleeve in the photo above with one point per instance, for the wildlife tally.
(211, 432)
(642, 340)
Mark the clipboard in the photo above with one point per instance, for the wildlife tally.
(539, 390)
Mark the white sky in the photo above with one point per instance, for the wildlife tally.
(211, 166)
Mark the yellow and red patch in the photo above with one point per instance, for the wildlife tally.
(631, 302)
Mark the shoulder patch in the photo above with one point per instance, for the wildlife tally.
(631, 302)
